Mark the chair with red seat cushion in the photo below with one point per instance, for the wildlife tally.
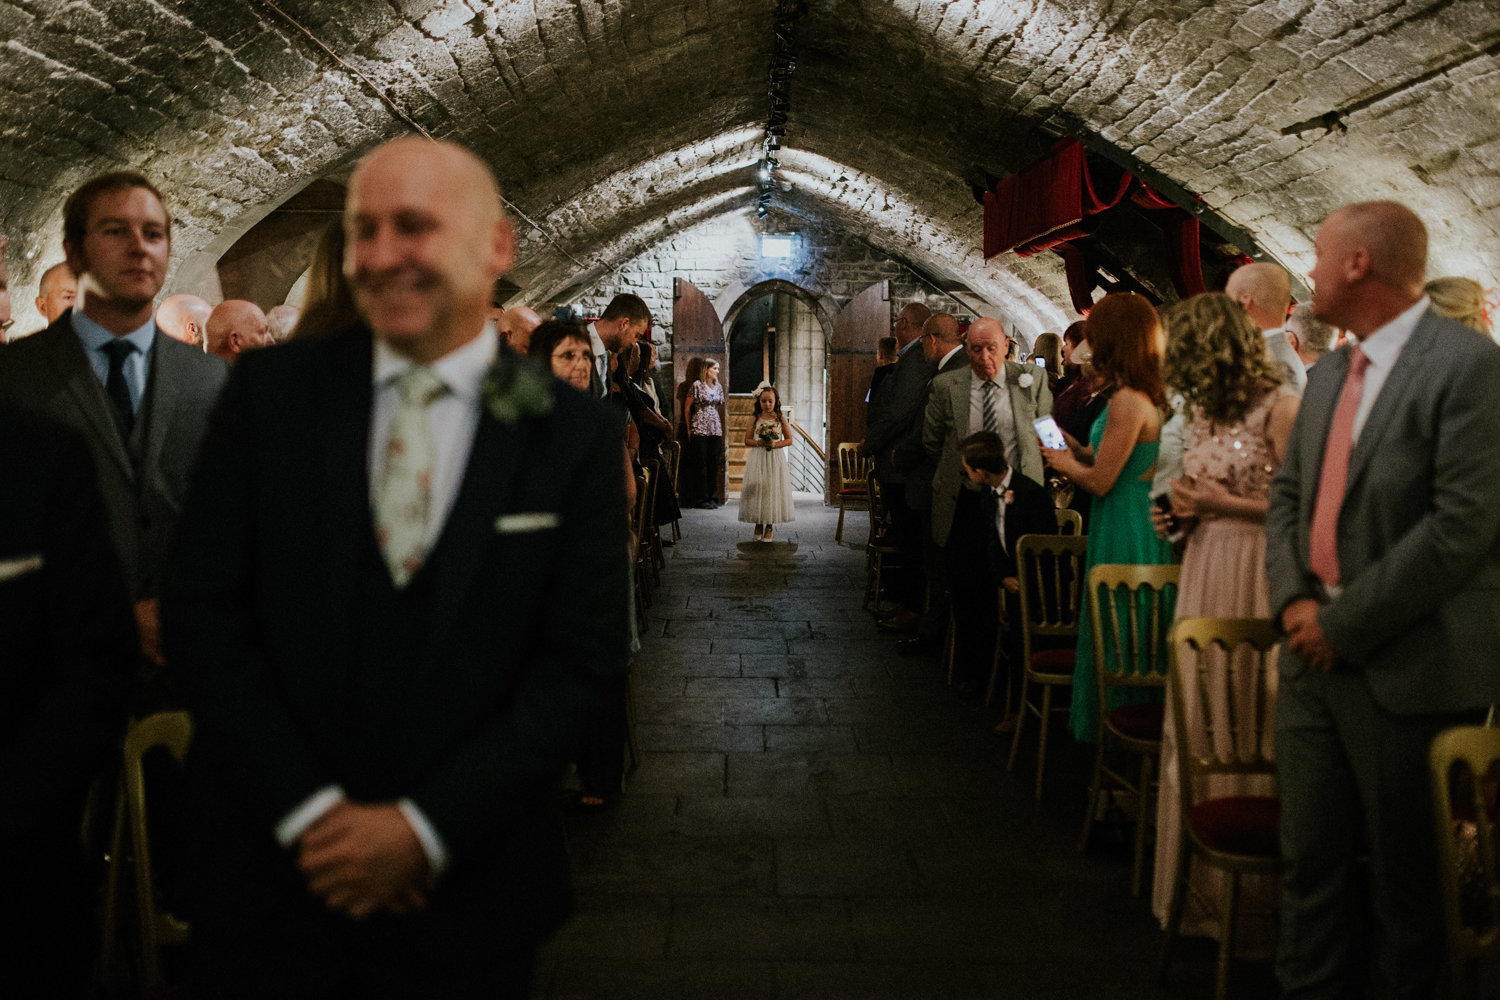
(1237, 834)
(1141, 721)
(1051, 574)
(854, 477)
(1129, 611)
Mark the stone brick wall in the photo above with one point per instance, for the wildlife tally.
(618, 124)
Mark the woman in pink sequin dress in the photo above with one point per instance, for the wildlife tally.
(1241, 418)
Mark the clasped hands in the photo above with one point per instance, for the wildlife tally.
(362, 859)
(1305, 634)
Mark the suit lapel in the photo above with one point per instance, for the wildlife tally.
(1390, 396)
(73, 370)
(961, 389)
(468, 538)
(166, 383)
(1021, 410)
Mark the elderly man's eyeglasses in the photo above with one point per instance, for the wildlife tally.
(6, 324)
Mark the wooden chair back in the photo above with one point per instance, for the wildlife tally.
(1236, 711)
(1137, 656)
(172, 731)
(854, 465)
(1069, 522)
(1465, 768)
(1051, 568)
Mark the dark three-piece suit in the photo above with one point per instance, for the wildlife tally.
(465, 691)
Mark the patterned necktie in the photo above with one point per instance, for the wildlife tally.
(1335, 475)
(991, 418)
(404, 503)
(115, 385)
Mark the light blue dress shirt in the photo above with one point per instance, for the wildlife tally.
(137, 366)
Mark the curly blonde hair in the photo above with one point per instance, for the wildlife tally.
(1462, 299)
(1216, 357)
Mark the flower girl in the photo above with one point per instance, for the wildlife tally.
(766, 493)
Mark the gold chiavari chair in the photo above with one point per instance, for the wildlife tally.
(854, 483)
(1237, 834)
(1136, 658)
(1465, 767)
(1069, 522)
(639, 548)
(879, 548)
(1051, 568)
(174, 732)
(671, 457)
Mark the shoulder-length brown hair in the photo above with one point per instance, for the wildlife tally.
(1122, 334)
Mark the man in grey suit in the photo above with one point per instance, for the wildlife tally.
(897, 404)
(988, 394)
(1383, 552)
(1265, 293)
(140, 398)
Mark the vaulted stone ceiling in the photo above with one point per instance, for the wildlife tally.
(613, 123)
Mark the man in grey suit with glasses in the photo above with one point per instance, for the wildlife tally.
(1383, 551)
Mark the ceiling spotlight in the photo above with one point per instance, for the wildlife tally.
(765, 172)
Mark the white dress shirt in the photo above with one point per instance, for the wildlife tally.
(601, 359)
(949, 355)
(1279, 347)
(909, 345)
(1004, 415)
(1000, 506)
(1383, 347)
(453, 419)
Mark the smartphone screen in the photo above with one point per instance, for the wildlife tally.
(1050, 433)
(1039, 361)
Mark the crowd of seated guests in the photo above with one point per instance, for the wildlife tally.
(1176, 424)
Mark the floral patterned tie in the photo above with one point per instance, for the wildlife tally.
(404, 501)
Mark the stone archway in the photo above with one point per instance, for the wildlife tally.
(804, 326)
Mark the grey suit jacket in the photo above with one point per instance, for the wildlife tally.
(144, 477)
(947, 424)
(896, 406)
(1280, 349)
(1419, 531)
(912, 460)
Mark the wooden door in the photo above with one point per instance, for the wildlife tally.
(697, 336)
(851, 364)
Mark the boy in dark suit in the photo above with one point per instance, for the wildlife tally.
(994, 509)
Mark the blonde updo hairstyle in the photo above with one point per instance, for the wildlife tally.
(1462, 299)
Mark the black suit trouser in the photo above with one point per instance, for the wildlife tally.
(1351, 772)
(700, 478)
(907, 585)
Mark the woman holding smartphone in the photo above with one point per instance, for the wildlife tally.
(1240, 418)
(1127, 341)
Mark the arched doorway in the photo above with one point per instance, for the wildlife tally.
(782, 328)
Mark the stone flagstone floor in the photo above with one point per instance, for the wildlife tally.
(816, 816)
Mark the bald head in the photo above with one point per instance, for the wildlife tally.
(183, 317)
(988, 345)
(425, 241)
(1264, 291)
(56, 292)
(234, 327)
(281, 321)
(909, 323)
(1372, 262)
(516, 326)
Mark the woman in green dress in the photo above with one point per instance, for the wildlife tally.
(1116, 467)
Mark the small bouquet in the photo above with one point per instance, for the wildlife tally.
(767, 435)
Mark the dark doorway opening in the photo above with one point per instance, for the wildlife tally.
(752, 345)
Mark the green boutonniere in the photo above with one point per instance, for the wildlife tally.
(516, 388)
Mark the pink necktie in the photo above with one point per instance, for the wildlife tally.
(1335, 476)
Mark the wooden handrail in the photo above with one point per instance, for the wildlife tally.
(822, 456)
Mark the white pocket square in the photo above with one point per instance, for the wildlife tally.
(518, 524)
(12, 568)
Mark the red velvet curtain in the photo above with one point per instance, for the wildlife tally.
(1048, 205)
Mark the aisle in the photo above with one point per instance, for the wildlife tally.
(816, 816)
